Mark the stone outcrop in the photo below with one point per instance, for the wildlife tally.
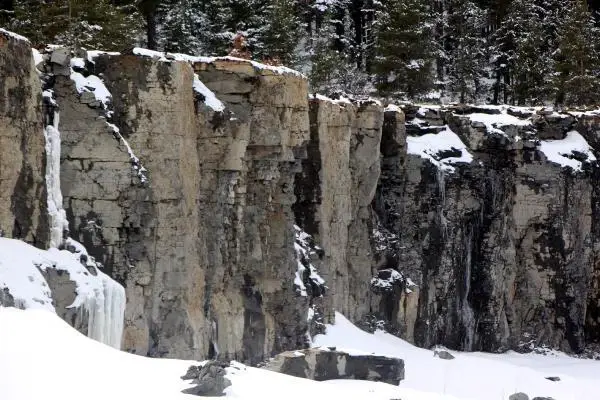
(326, 364)
(23, 192)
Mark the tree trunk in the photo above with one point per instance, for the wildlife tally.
(151, 30)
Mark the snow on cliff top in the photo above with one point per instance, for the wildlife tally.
(477, 376)
(431, 146)
(166, 56)
(14, 35)
(566, 152)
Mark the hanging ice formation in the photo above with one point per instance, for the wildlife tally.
(99, 296)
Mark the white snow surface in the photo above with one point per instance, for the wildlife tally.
(103, 299)
(92, 54)
(77, 62)
(209, 97)
(472, 376)
(91, 84)
(493, 122)
(37, 56)
(341, 100)
(75, 366)
(557, 151)
(428, 145)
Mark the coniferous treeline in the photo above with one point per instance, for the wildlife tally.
(526, 52)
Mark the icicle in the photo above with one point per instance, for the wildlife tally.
(106, 311)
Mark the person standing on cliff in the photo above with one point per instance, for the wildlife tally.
(240, 47)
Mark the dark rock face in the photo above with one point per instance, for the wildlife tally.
(209, 379)
(502, 250)
(322, 365)
(6, 299)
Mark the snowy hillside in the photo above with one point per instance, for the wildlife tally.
(75, 367)
(476, 376)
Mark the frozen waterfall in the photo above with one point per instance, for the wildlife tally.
(98, 295)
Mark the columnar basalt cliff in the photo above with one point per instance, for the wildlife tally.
(239, 212)
(334, 191)
(22, 164)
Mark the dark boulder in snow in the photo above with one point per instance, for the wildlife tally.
(443, 354)
(518, 396)
(327, 364)
(6, 299)
(209, 379)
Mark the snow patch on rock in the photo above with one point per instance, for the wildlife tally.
(442, 149)
(13, 35)
(306, 270)
(571, 151)
(93, 84)
(21, 267)
(209, 97)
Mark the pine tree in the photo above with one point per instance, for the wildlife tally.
(404, 49)
(466, 49)
(524, 48)
(184, 27)
(576, 60)
(84, 23)
(281, 33)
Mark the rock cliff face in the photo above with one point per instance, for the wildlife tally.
(202, 237)
(23, 192)
(239, 213)
(334, 191)
(502, 249)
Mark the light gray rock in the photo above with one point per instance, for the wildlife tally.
(518, 396)
(23, 195)
(61, 56)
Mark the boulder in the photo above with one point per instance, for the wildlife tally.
(518, 396)
(209, 379)
(443, 354)
(327, 364)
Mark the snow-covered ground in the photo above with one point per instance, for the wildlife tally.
(21, 267)
(476, 376)
(41, 357)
